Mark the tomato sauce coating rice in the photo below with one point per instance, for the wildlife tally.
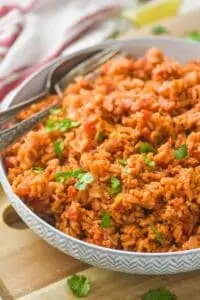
(117, 165)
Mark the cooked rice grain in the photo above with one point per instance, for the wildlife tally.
(152, 99)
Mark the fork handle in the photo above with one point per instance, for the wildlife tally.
(13, 110)
(10, 135)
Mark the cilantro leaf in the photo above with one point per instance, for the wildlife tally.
(127, 170)
(84, 180)
(62, 176)
(146, 148)
(115, 186)
(158, 235)
(149, 162)
(61, 125)
(100, 137)
(55, 111)
(50, 125)
(159, 294)
(38, 170)
(123, 161)
(181, 152)
(80, 285)
(58, 148)
(159, 29)
(105, 220)
(193, 35)
(66, 124)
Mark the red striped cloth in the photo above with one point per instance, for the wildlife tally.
(26, 43)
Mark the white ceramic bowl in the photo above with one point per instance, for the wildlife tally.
(129, 262)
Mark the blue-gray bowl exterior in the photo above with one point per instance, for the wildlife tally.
(129, 262)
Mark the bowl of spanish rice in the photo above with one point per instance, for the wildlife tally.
(112, 177)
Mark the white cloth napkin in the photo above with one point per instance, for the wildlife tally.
(32, 32)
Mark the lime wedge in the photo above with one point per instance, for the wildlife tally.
(152, 12)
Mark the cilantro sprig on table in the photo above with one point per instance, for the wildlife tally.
(193, 35)
(80, 285)
(159, 294)
(159, 30)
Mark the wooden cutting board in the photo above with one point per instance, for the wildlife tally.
(30, 269)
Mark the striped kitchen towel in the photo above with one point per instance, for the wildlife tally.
(33, 34)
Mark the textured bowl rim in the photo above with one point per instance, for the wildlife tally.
(10, 193)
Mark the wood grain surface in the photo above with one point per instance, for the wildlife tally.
(109, 285)
(30, 269)
(27, 263)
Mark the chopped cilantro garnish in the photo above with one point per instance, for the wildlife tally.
(100, 137)
(146, 148)
(79, 285)
(61, 125)
(67, 124)
(159, 29)
(84, 180)
(38, 170)
(159, 294)
(149, 162)
(105, 220)
(157, 234)
(51, 125)
(62, 176)
(127, 170)
(181, 152)
(58, 148)
(123, 161)
(55, 111)
(115, 186)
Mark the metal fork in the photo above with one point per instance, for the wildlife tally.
(10, 135)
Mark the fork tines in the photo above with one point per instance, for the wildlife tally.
(86, 67)
(90, 66)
